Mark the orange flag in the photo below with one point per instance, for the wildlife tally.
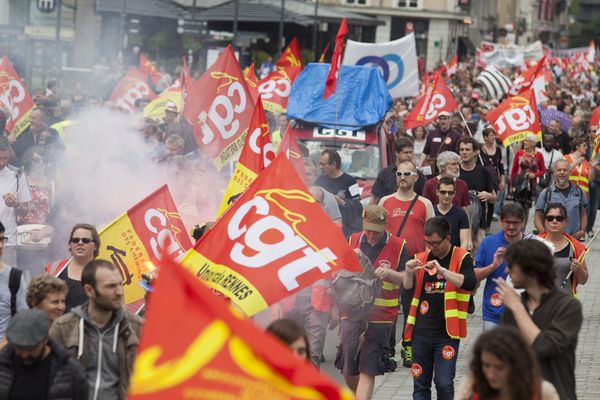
(194, 347)
(290, 57)
(272, 242)
(515, 118)
(131, 87)
(251, 81)
(14, 98)
(276, 87)
(336, 60)
(256, 155)
(437, 98)
(289, 146)
(148, 67)
(219, 107)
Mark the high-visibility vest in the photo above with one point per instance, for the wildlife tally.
(578, 249)
(456, 300)
(385, 307)
(57, 267)
(580, 175)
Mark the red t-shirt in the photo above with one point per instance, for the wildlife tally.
(461, 198)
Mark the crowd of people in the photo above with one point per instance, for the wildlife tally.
(426, 234)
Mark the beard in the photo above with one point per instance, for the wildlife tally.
(105, 304)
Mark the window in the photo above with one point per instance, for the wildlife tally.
(408, 3)
(358, 2)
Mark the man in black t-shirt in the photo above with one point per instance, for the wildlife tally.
(460, 232)
(33, 366)
(344, 189)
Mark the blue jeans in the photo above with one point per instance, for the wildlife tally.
(592, 210)
(434, 357)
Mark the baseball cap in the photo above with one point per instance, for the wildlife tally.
(171, 106)
(444, 114)
(28, 328)
(374, 218)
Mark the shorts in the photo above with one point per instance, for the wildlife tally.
(374, 349)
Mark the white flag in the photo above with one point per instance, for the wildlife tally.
(397, 61)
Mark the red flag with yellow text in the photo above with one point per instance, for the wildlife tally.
(219, 107)
(336, 60)
(194, 346)
(437, 98)
(291, 56)
(276, 87)
(256, 155)
(14, 98)
(148, 67)
(145, 232)
(133, 86)
(251, 81)
(289, 146)
(515, 118)
(272, 242)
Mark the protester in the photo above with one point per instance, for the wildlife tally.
(38, 133)
(420, 138)
(567, 193)
(527, 166)
(34, 366)
(49, 294)
(594, 193)
(84, 246)
(174, 125)
(562, 140)
(503, 367)
(442, 139)
(581, 170)
(325, 199)
(436, 324)
(548, 319)
(290, 333)
(448, 164)
(460, 231)
(491, 155)
(100, 333)
(567, 249)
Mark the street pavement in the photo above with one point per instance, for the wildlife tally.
(398, 385)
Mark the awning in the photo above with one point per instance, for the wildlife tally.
(149, 8)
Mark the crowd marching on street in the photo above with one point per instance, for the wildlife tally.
(391, 253)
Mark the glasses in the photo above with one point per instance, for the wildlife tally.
(513, 223)
(405, 174)
(559, 218)
(434, 243)
(76, 240)
(446, 192)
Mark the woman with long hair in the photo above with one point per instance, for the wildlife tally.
(420, 137)
(527, 166)
(503, 367)
(567, 249)
(292, 335)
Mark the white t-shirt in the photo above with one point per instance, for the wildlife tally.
(548, 155)
(8, 215)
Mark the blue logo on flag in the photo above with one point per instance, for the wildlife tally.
(384, 63)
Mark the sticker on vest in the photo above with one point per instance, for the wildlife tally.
(448, 140)
(385, 264)
(416, 370)
(448, 353)
(495, 300)
(435, 287)
(424, 307)
(436, 140)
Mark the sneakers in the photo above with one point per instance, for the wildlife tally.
(406, 355)
(590, 234)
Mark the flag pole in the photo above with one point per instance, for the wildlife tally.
(470, 133)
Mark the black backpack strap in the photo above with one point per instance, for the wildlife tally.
(412, 203)
(14, 281)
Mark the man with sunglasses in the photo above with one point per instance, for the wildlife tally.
(437, 317)
(84, 246)
(460, 232)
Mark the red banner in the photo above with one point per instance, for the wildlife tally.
(219, 107)
(14, 98)
(276, 87)
(437, 98)
(336, 60)
(452, 66)
(515, 118)
(148, 67)
(251, 81)
(289, 146)
(194, 347)
(291, 56)
(131, 87)
(525, 81)
(272, 242)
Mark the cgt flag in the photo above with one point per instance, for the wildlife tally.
(256, 155)
(437, 98)
(156, 108)
(515, 118)
(145, 232)
(14, 98)
(219, 107)
(251, 81)
(131, 87)
(291, 56)
(195, 347)
(397, 61)
(525, 81)
(272, 242)
(289, 146)
(148, 67)
(276, 87)
(336, 60)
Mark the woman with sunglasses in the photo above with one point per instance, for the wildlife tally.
(567, 249)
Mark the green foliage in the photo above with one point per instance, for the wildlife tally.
(258, 57)
(307, 56)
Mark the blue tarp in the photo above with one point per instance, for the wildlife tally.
(361, 97)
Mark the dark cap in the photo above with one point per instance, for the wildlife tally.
(28, 328)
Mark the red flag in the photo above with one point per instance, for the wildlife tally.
(272, 242)
(14, 98)
(291, 56)
(437, 98)
(133, 86)
(186, 82)
(251, 81)
(289, 146)
(149, 68)
(524, 81)
(194, 346)
(595, 120)
(452, 66)
(515, 118)
(219, 107)
(276, 87)
(336, 60)
(324, 53)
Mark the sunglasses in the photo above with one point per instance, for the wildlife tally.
(76, 240)
(446, 192)
(559, 218)
(405, 174)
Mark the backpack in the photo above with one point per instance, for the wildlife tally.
(14, 282)
(354, 292)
